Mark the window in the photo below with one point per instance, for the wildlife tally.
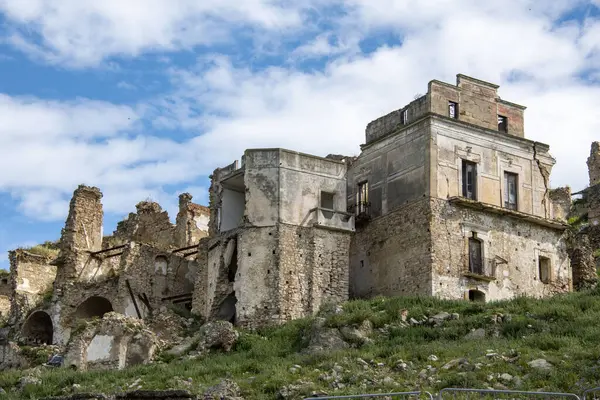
(502, 124)
(327, 203)
(362, 197)
(476, 295)
(475, 255)
(510, 191)
(469, 180)
(405, 116)
(327, 200)
(452, 110)
(544, 269)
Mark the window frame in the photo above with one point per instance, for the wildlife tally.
(547, 265)
(502, 123)
(506, 195)
(362, 197)
(472, 266)
(464, 182)
(451, 105)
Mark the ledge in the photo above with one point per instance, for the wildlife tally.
(476, 205)
(479, 277)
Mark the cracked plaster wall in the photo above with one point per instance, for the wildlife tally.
(520, 243)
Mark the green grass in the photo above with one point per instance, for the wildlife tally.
(47, 249)
(564, 330)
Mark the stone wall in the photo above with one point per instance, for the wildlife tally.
(478, 104)
(391, 255)
(31, 280)
(191, 223)
(560, 199)
(150, 225)
(82, 233)
(493, 154)
(511, 250)
(593, 163)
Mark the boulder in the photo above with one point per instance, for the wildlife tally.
(217, 335)
(323, 338)
(225, 390)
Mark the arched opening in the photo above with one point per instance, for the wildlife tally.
(95, 306)
(476, 295)
(227, 311)
(38, 329)
(160, 265)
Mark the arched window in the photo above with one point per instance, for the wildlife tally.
(38, 329)
(94, 306)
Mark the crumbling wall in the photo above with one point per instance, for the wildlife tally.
(31, 279)
(191, 223)
(511, 250)
(5, 294)
(115, 342)
(150, 225)
(593, 163)
(391, 255)
(560, 199)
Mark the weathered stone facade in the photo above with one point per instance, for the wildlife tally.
(447, 198)
(280, 238)
(456, 201)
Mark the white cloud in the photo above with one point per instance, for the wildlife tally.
(86, 32)
(225, 106)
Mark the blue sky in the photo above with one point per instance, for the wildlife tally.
(144, 98)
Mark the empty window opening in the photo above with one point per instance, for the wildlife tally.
(469, 180)
(362, 198)
(160, 265)
(227, 309)
(405, 117)
(232, 209)
(544, 269)
(502, 124)
(476, 295)
(475, 255)
(327, 204)
(510, 190)
(233, 265)
(452, 110)
(95, 306)
(38, 329)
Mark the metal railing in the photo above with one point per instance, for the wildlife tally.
(460, 393)
(390, 396)
(593, 393)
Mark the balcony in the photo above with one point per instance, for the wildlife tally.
(486, 271)
(332, 219)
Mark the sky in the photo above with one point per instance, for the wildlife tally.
(145, 98)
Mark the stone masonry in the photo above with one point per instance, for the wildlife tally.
(447, 198)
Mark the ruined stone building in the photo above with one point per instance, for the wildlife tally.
(447, 198)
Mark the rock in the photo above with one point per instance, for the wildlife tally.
(432, 357)
(359, 335)
(4, 336)
(324, 339)
(439, 318)
(388, 381)
(2, 391)
(541, 364)
(225, 390)
(217, 334)
(475, 334)
(28, 380)
(295, 391)
(506, 377)
(401, 366)
(184, 347)
(454, 363)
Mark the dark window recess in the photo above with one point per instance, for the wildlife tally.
(475, 256)
(452, 110)
(502, 124)
(510, 191)
(362, 198)
(476, 295)
(544, 269)
(469, 180)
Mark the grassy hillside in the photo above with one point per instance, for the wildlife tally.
(564, 331)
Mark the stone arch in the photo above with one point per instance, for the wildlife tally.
(38, 328)
(95, 306)
(476, 295)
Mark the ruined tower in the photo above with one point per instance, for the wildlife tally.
(83, 230)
